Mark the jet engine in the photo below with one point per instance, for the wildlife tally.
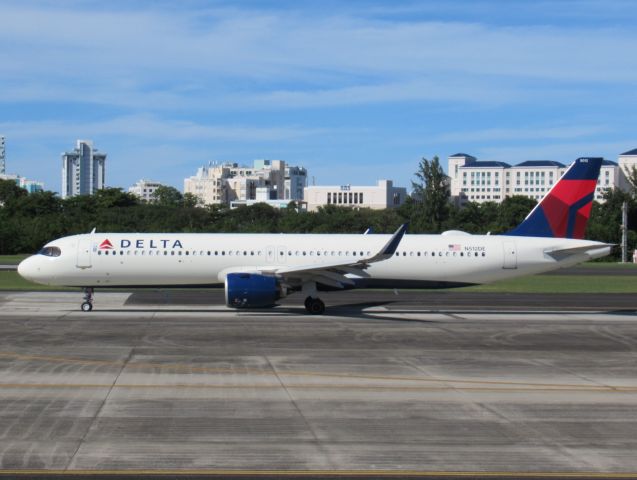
(251, 290)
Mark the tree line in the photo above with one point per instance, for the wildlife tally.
(28, 221)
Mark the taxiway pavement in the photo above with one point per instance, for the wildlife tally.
(167, 381)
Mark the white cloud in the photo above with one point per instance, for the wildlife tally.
(149, 127)
(132, 56)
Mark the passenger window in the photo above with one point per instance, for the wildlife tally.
(419, 254)
(172, 252)
(404, 254)
(223, 252)
(398, 254)
(484, 254)
(99, 252)
(165, 252)
(476, 254)
(180, 252)
(188, 253)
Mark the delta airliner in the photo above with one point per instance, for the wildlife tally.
(258, 269)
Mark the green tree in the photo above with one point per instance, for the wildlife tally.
(10, 191)
(431, 190)
(167, 196)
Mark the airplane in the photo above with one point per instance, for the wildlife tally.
(256, 270)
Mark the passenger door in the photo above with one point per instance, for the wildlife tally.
(84, 246)
(510, 255)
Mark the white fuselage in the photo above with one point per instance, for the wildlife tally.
(451, 259)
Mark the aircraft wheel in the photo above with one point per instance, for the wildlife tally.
(308, 302)
(87, 306)
(317, 307)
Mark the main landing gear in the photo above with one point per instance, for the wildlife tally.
(314, 306)
(87, 305)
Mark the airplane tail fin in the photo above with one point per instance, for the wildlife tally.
(565, 209)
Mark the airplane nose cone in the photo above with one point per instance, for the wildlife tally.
(27, 269)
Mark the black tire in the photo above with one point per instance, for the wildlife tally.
(87, 307)
(317, 307)
(308, 301)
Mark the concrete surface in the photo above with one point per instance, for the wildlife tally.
(378, 384)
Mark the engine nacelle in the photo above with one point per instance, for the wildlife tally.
(251, 290)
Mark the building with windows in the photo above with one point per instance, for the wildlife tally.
(488, 181)
(31, 186)
(627, 163)
(2, 155)
(145, 189)
(232, 184)
(83, 170)
(384, 195)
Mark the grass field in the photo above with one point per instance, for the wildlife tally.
(562, 284)
(12, 259)
(10, 280)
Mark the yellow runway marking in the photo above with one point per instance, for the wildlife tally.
(349, 376)
(324, 473)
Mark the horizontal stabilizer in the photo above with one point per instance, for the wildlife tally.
(593, 251)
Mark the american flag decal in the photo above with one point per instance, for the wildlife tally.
(454, 247)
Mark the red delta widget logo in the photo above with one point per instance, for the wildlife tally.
(141, 243)
(106, 245)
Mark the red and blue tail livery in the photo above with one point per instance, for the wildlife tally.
(564, 211)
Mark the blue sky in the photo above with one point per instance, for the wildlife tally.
(354, 91)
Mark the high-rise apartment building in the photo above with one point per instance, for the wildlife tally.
(83, 170)
(3, 165)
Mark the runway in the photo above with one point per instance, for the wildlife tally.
(425, 385)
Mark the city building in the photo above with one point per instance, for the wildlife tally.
(2, 155)
(31, 186)
(231, 184)
(490, 181)
(628, 163)
(83, 170)
(384, 195)
(145, 190)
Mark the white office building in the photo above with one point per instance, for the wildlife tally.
(235, 185)
(83, 170)
(384, 195)
(491, 181)
(627, 162)
(145, 190)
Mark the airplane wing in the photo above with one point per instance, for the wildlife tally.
(333, 273)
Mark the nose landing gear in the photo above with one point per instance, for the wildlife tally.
(87, 305)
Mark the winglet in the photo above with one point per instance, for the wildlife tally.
(368, 231)
(390, 247)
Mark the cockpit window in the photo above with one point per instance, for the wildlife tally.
(50, 252)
